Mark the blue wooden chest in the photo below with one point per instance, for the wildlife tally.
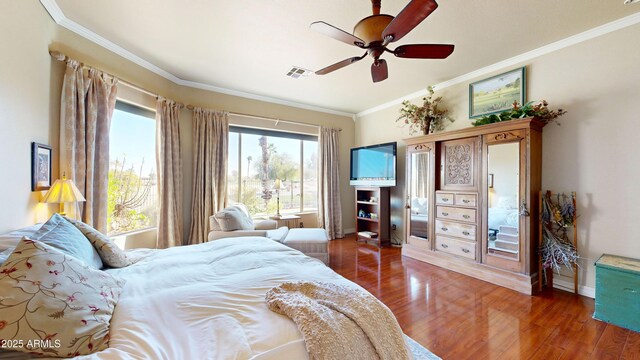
(618, 291)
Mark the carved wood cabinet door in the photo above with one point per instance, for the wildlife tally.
(458, 164)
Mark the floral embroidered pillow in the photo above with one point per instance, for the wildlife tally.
(109, 252)
(54, 304)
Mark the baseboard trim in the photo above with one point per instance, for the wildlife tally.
(349, 231)
(583, 290)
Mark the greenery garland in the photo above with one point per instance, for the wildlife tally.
(539, 111)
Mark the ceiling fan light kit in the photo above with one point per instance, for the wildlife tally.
(375, 32)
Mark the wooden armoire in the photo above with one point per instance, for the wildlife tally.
(472, 201)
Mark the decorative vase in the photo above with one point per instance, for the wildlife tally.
(427, 126)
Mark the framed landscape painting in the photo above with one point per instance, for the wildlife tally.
(497, 94)
(40, 167)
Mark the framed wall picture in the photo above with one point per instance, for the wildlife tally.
(497, 93)
(40, 166)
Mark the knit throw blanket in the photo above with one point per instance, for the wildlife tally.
(340, 322)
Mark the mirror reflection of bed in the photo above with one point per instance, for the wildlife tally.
(419, 203)
(503, 188)
(419, 217)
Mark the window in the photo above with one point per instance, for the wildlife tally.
(258, 157)
(132, 200)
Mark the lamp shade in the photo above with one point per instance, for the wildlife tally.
(62, 191)
(277, 184)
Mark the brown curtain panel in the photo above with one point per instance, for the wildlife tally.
(210, 151)
(329, 208)
(87, 105)
(169, 163)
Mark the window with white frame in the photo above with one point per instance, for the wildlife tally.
(132, 199)
(258, 157)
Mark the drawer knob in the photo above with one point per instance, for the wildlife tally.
(465, 250)
(445, 214)
(444, 228)
(466, 216)
(466, 233)
(444, 245)
(445, 199)
(466, 201)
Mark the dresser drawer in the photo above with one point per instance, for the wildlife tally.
(466, 199)
(444, 198)
(451, 228)
(452, 213)
(456, 247)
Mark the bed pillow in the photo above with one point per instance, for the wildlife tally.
(4, 255)
(109, 252)
(62, 235)
(233, 218)
(49, 295)
(11, 239)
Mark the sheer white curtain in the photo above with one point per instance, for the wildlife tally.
(210, 151)
(87, 104)
(169, 163)
(329, 208)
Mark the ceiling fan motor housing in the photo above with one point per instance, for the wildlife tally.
(370, 28)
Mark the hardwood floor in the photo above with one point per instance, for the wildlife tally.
(459, 317)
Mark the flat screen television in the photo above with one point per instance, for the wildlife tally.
(374, 165)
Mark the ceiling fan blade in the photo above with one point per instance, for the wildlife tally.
(407, 19)
(379, 70)
(340, 35)
(424, 51)
(340, 65)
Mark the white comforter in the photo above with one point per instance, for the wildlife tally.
(208, 302)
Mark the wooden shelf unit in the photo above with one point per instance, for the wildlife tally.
(379, 212)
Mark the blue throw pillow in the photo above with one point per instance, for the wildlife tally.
(64, 236)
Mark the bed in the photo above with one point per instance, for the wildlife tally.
(207, 301)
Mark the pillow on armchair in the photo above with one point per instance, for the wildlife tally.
(234, 218)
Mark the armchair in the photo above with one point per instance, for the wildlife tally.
(266, 228)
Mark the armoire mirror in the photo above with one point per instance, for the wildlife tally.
(503, 189)
(419, 195)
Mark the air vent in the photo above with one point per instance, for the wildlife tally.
(297, 72)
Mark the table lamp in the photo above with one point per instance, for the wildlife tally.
(63, 191)
(277, 185)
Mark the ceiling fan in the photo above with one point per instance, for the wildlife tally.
(375, 32)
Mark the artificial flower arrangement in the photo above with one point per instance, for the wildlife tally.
(426, 118)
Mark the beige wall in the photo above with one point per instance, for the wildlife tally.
(30, 96)
(25, 89)
(593, 152)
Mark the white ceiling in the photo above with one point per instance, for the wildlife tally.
(249, 45)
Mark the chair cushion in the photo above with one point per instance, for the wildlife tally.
(233, 218)
(49, 295)
(213, 224)
(62, 235)
(109, 252)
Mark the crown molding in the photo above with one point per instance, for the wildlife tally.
(529, 55)
(51, 6)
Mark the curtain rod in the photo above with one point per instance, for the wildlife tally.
(276, 120)
(62, 57)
